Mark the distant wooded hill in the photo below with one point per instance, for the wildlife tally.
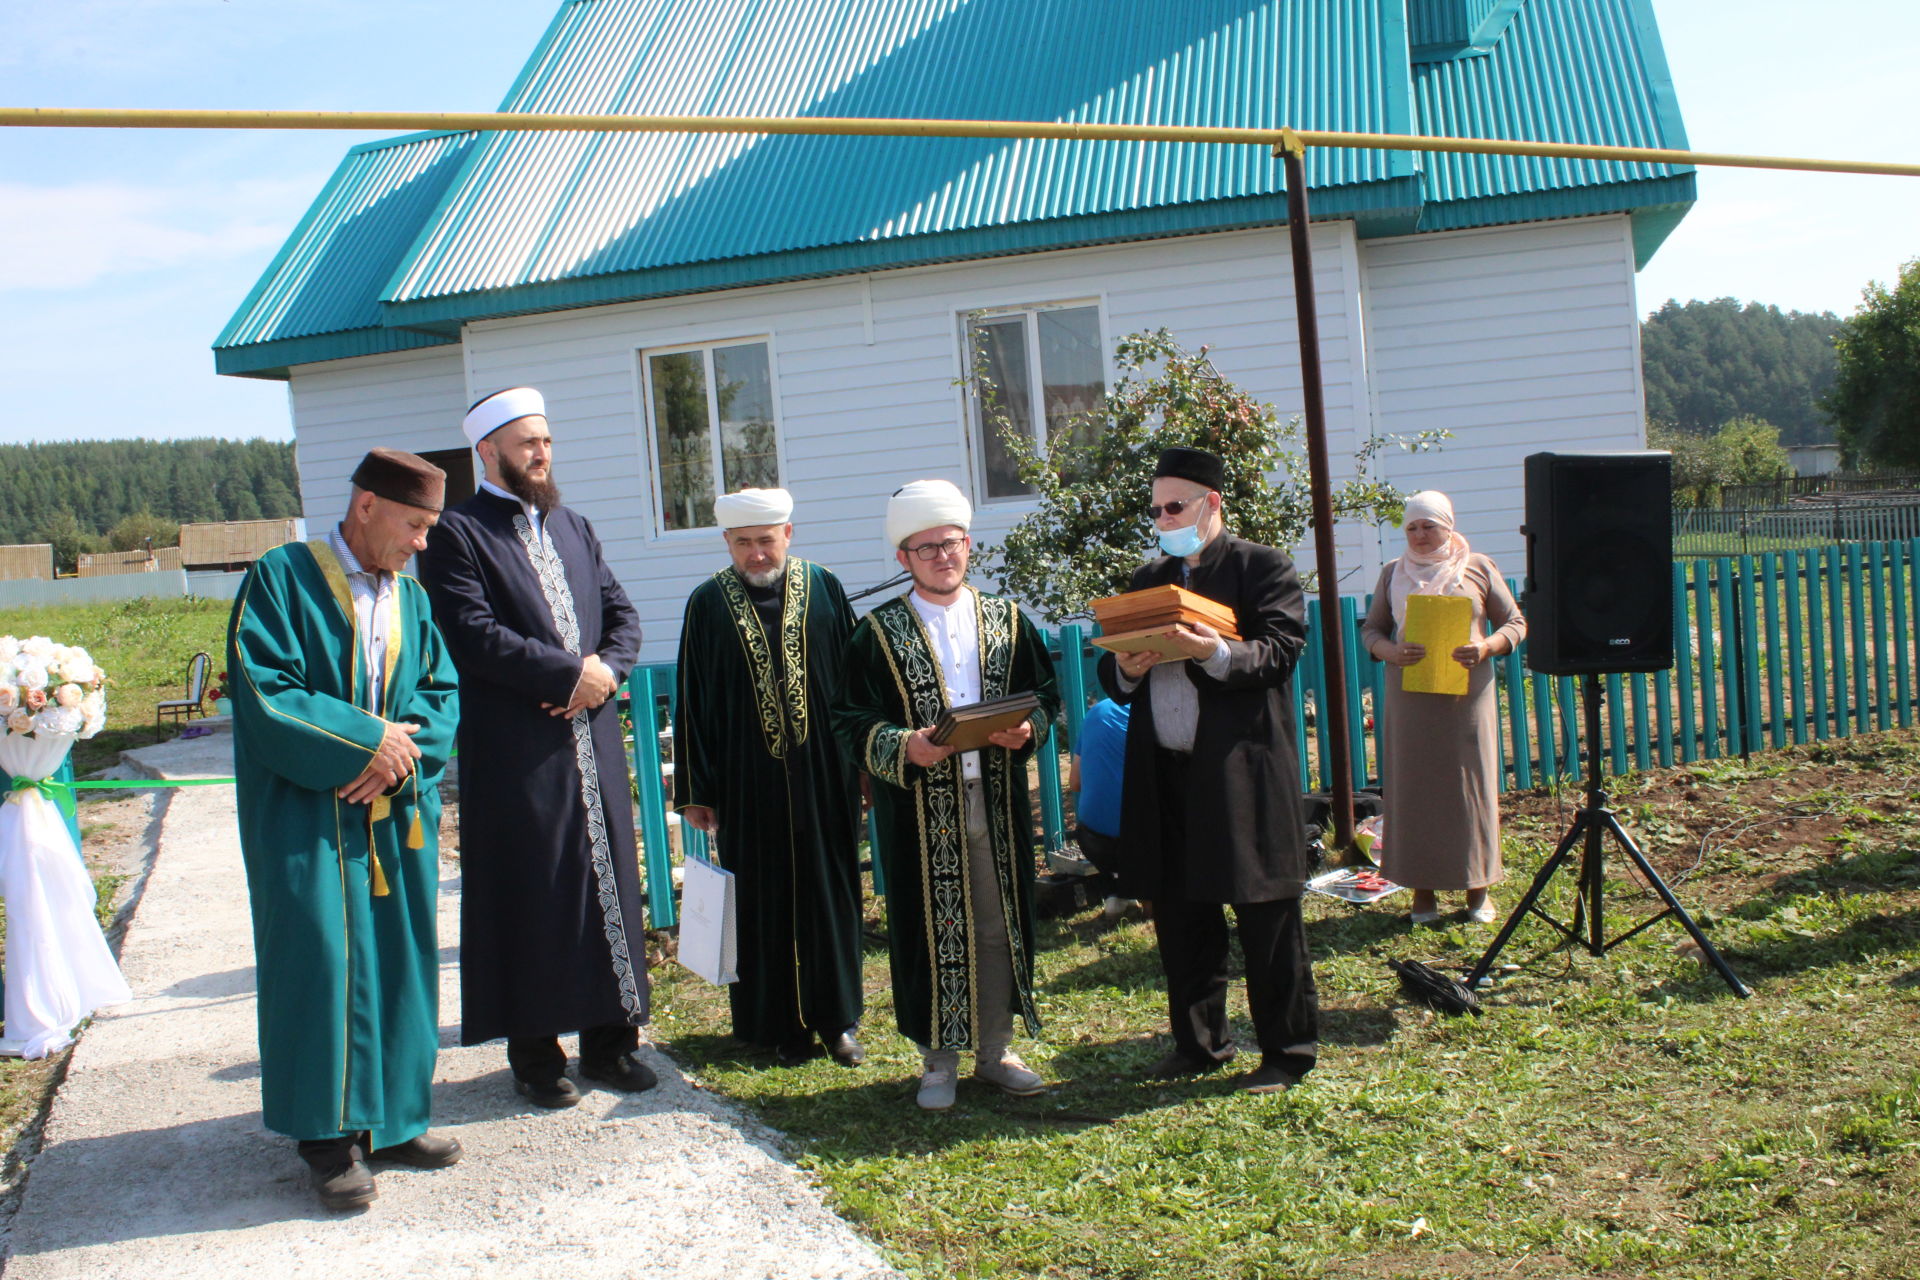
(91, 486)
(1708, 363)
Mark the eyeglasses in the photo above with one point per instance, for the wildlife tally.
(938, 550)
(1175, 507)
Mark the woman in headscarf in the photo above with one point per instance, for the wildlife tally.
(1441, 761)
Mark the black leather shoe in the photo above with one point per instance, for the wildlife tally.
(844, 1049)
(428, 1151)
(626, 1073)
(1267, 1078)
(1177, 1064)
(340, 1175)
(552, 1094)
(792, 1053)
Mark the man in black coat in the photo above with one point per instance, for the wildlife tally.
(552, 937)
(1211, 814)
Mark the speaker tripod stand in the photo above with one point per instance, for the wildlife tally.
(1591, 827)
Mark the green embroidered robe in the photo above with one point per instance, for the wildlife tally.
(893, 685)
(753, 741)
(344, 896)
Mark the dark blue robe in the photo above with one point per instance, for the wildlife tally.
(552, 936)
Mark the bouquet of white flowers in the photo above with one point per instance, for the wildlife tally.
(50, 688)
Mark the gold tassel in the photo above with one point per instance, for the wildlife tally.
(380, 889)
(416, 838)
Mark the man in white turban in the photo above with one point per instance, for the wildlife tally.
(552, 938)
(954, 832)
(756, 766)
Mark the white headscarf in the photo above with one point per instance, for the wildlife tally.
(1434, 573)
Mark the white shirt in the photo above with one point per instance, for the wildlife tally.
(373, 604)
(955, 633)
(533, 512)
(1176, 700)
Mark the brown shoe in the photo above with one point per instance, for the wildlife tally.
(340, 1175)
(427, 1151)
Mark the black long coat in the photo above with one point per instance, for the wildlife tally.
(1245, 833)
(552, 935)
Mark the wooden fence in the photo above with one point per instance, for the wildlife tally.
(106, 564)
(1770, 650)
(24, 560)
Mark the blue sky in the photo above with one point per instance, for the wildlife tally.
(122, 253)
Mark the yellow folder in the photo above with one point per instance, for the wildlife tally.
(1441, 624)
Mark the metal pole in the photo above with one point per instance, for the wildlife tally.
(1333, 642)
(1072, 130)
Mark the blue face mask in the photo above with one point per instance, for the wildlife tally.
(1182, 542)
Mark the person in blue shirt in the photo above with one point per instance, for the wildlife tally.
(1098, 765)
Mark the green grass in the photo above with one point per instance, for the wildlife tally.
(144, 646)
(1607, 1117)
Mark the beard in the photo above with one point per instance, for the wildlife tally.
(767, 578)
(543, 494)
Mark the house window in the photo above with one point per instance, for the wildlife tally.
(1047, 366)
(712, 417)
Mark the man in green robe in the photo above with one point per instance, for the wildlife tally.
(756, 764)
(955, 829)
(344, 710)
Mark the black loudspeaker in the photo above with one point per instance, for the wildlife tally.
(1599, 591)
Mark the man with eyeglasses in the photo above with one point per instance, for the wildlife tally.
(1211, 814)
(755, 762)
(955, 835)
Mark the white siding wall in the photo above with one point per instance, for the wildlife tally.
(859, 418)
(1517, 340)
(410, 400)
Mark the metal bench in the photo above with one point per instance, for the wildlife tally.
(194, 704)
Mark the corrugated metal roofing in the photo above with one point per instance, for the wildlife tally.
(535, 209)
(1563, 71)
(328, 276)
(434, 230)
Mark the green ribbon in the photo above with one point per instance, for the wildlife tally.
(61, 793)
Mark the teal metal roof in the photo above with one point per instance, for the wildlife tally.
(509, 223)
(1563, 71)
(557, 211)
(320, 297)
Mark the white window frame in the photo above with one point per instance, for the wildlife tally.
(649, 431)
(973, 426)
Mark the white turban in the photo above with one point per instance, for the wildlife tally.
(925, 504)
(753, 506)
(500, 408)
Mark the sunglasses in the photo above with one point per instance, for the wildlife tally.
(1174, 508)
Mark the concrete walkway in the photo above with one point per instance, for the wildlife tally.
(156, 1163)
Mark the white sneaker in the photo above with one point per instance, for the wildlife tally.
(938, 1080)
(1007, 1073)
(1114, 908)
(1482, 914)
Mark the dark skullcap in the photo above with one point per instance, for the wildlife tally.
(1178, 462)
(402, 477)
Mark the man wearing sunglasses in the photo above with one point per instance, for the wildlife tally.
(954, 831)
(1211, 812)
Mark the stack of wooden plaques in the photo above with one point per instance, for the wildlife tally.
(1141, 619)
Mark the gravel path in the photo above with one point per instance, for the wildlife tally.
(156, 1164)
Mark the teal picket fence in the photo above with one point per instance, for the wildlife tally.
(1771, 650)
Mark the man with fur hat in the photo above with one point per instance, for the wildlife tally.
(755, 764)
(552, 938)
(343, 718)
(955, 833)
(1211, 813)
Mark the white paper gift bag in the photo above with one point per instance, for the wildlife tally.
(709, 941)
